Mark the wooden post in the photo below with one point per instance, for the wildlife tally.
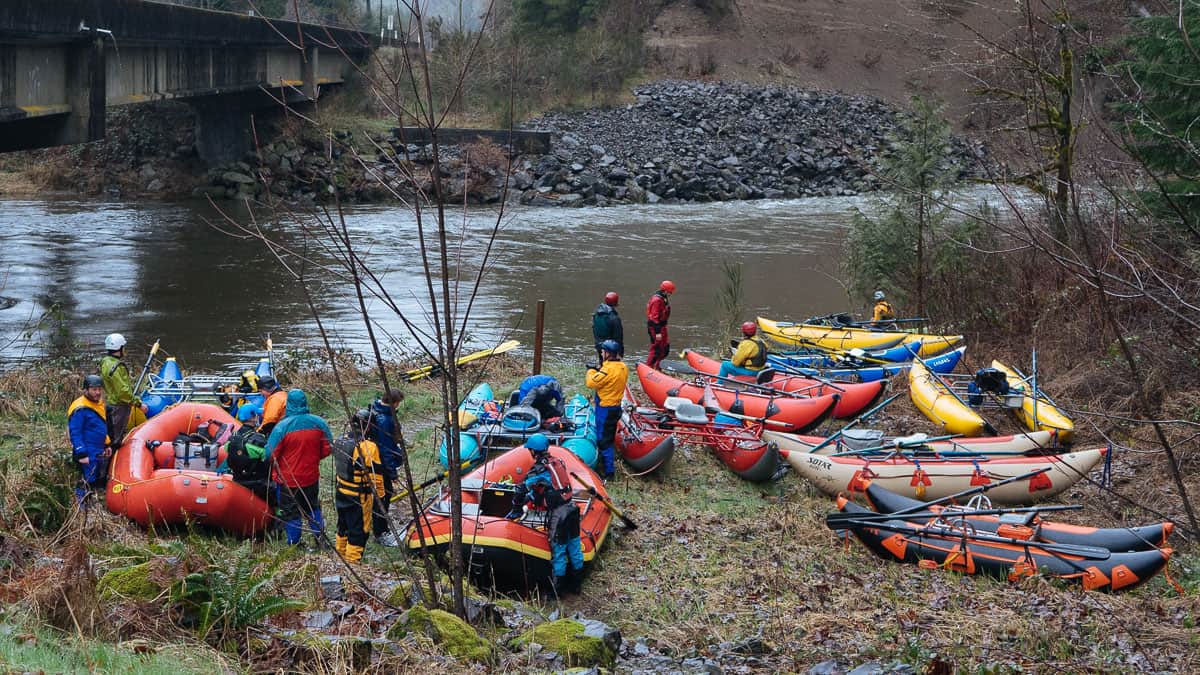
(539, 328)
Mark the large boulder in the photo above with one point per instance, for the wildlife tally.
(580, 643)
(454, 635)
(128, 583)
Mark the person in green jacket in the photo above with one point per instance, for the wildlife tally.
(118, 388)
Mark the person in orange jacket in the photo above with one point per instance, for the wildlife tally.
(658, 312)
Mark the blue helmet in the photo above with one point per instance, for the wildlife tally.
(249, 411)
(611, 346)
(537, 444)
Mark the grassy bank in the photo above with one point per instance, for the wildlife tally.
(717, 565)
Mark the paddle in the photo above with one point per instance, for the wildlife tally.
(146, 368)
(271, 354)
(433, 369)
(806, 373)
(404, 493)
(841, 516)
(685, 369)
(900, 444)
(854, 422)
(978, 489)
(605, 500)
(1089, 552)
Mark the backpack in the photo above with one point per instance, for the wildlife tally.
(244, 467)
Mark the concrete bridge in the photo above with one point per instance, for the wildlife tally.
(63, 61)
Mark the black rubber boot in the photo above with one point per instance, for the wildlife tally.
(574, 582)
(559, 586)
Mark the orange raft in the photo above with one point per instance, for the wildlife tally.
(510, 554)
(146, 487)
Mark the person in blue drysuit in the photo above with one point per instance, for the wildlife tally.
(547, 487)
(544, 394)
(87, 426)
(385, 432)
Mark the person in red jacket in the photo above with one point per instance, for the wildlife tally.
(658, 311)
(295, 450)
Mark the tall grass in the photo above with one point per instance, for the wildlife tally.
(730, 301)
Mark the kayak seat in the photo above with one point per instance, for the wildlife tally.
(691, 413)
(765, 375)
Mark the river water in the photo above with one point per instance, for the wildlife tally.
(75, 270)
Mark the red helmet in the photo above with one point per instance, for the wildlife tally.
(611, 298)
(667, 287)
(749, 328)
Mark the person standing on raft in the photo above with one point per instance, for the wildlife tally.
(608, 379)
(750, 357)
(87, 426)
(658, 312)
(547, 487)
(295, 449)
(359, 485)
(118, 388)
(606, 325)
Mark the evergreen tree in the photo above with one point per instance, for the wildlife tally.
(893, 250)
(1164, 66)
(562, 16)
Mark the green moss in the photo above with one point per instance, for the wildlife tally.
(401, 595)
(566, 637)
(456, 636)
(128, 582)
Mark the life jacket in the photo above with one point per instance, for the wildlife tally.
(658, 310)
(884, 311)
(358, 465)
(549, 485)
(760, 357)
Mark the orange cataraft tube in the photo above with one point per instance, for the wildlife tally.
(146, 487)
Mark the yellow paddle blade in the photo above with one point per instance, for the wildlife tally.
(466, 418)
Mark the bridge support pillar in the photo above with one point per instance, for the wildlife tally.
(85, 86)
(223, 131)
(309, 72)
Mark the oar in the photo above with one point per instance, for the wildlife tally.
(890, 446)
(854, 422)
(873, 323)
(146, 368)
(404, 493)
(978, 489)
(1089, 552)
(685, 369)
(606, 501)
(841, 516)
(803, 372)
(987, 426)
(271, 354)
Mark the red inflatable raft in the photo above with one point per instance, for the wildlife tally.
(510, 554)
(146, 487)
(799, 414)
(855, 396)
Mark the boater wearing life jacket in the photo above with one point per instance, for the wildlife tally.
(658, 312)
(883, 309)
(750, 357)
(547, 487)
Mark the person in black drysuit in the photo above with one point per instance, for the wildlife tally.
(244, 453)
(606, 325)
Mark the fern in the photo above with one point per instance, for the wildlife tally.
(233, 593)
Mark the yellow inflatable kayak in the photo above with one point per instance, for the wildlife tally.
(939, 405)
(826, 337)
(1041, 415)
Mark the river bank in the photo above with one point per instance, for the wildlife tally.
(681, 141)
(720, 576)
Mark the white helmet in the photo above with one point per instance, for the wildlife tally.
(878, 295)
(114, 342)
